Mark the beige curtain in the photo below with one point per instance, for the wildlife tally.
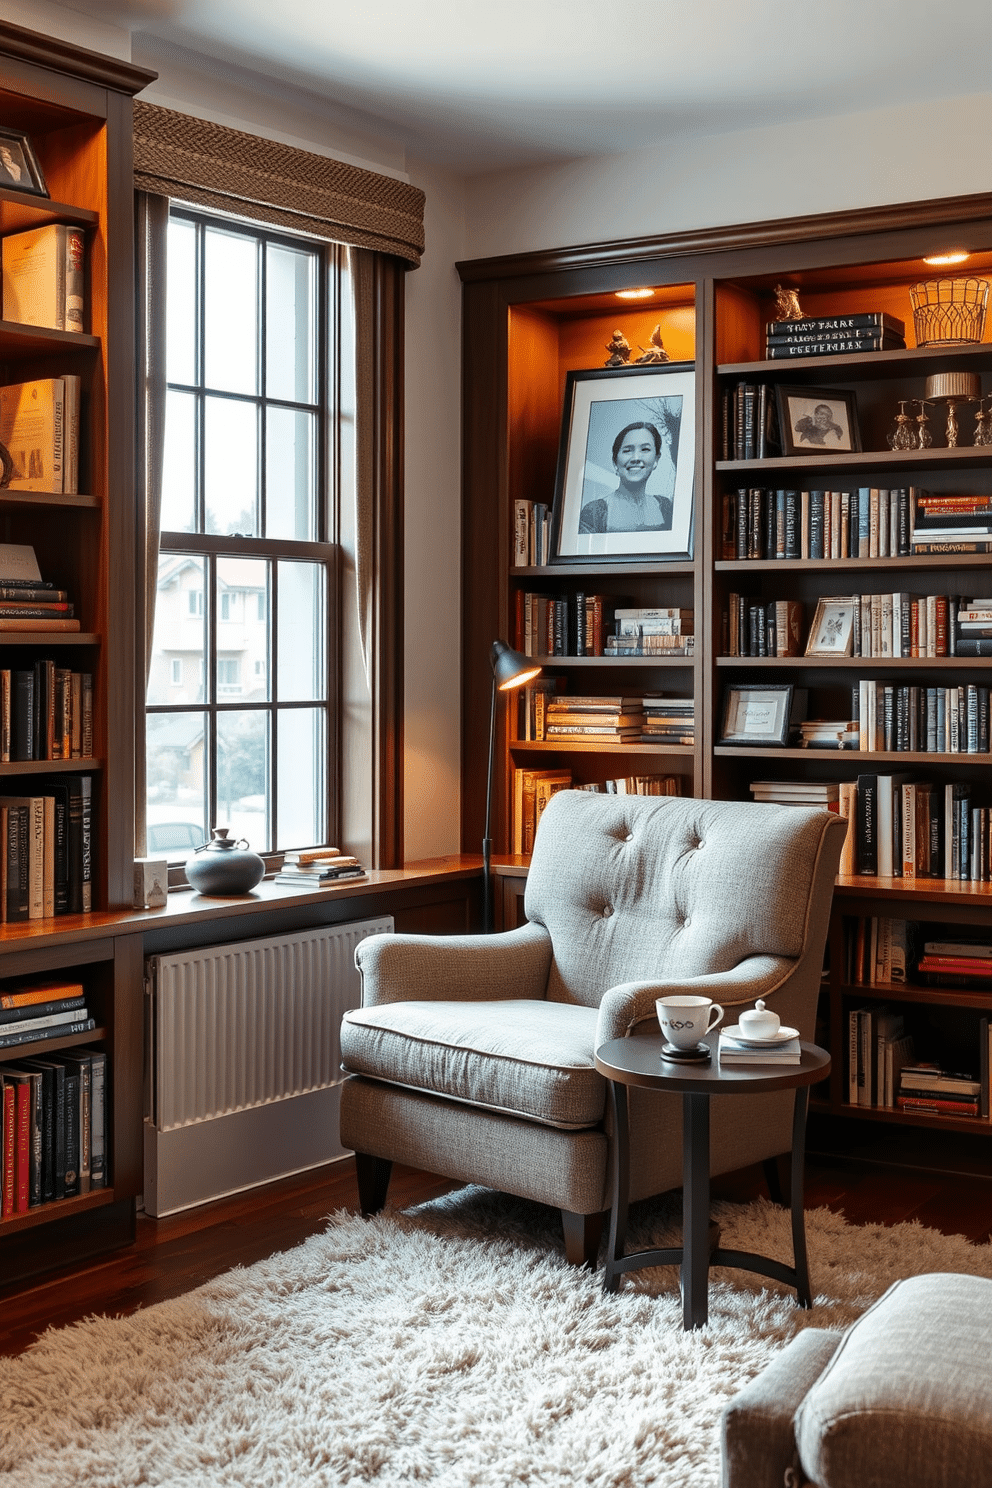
(363, 280)
(151, 227)
(228, 171)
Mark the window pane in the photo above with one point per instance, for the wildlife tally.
(230, 474)
(290, 474)
(290, 302)
(179, 464)
(176, 793)
(181, 303)
(243, 776)
(230, 312)
(179, 644)
(301, 790)
(242, 629)
(302, 627)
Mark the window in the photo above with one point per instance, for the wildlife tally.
(247, 566)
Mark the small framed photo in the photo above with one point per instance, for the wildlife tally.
(757, 714)
(832, 631)
(19, 168)
(816, 421)
(624, 489)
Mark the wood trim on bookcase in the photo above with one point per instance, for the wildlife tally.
(80, 62)
(812, 228)
(387, 724)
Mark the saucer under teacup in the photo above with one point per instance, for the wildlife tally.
(699, 1055)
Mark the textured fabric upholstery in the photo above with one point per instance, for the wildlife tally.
(906, 1400)
(757, 1438)
(531, 1059)
(473, 1055)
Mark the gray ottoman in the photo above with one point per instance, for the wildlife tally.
(903, 1399)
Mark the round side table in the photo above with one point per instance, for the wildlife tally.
(638, 1061)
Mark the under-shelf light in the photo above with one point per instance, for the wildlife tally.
(949, 256)
(634, 294)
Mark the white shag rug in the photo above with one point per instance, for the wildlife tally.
(451, 1345)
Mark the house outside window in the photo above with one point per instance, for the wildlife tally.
(241, 698)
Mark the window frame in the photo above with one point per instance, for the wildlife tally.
(324, 549)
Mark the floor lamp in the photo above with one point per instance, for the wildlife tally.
(511, 669)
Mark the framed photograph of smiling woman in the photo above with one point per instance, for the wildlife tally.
(626, 459)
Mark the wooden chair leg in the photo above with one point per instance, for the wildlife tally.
(582, 1236)
(373, 1181)
(777, 1176)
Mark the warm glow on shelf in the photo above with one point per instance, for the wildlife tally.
(951, 256)
(634, 294)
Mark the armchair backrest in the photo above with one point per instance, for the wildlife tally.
(631, 888)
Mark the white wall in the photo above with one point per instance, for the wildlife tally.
(858, 160)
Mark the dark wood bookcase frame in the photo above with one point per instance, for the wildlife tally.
(528, 320)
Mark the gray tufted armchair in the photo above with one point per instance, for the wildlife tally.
(473, 1056)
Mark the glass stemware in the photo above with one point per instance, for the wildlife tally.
(924, 438)
(902, 436)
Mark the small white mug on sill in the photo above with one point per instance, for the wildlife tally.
(685, 1019)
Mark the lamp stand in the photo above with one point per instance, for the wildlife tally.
(487, 841)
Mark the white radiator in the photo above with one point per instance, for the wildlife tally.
(243, 1062)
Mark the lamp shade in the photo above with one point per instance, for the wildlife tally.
(511, 668)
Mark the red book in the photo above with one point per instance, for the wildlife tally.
(22, 1145)
(7, 1148)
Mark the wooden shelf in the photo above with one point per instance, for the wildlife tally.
(860, 663)
(49, 638)
(51, 767)
(15, 337)
(867, 366)
(58, 1209)
(548, 662)
(40, 1047)
(917, 561)
(38, 499)
(603, 569)
(964, 457)
(595, 746)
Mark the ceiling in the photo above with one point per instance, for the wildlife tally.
(481, 84)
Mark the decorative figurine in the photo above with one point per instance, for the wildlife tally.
(656, 352)
(787, 304)
(619, 348)
(902, 436)
(924, 438)
(983, 424)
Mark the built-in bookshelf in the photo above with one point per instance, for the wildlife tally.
(74, 108)
(532, 320)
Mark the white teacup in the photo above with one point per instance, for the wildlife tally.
(684, 1020)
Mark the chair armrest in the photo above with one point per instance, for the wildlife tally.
(758, 1438)
(630, 1003)
(454, 968)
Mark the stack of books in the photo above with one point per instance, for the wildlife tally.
(823, 733)
(952, 523)
(956, 963)
(973, 628)
(54, 1130)
(27, 601)
(668, 720)
(736, 1050)
(319, 868)
(822, 793)
(938, 1092)
(834, 335)
(604, 719)
(652, 632)
(46, 1011)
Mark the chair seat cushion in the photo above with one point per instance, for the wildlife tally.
(907, 1397)
(526, 1058)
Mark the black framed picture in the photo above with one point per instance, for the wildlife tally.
(19, 168)
(760, 713)
(816, 421)
(626, 460)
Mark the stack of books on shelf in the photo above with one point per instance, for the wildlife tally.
(834, 335)
(956, 963)
(822, 793)
(909, 828)
(46, 849)
(951, 523)
(44, 1011)
(756, 627)
(930, 1090)
(928, 720)
(44, 280)
(824, 733)
(55, 1133)
(531, 533)
(733, 1050)
(46, 713)
(603, 719)
(319, 868)
(27, 601)
(532, 790)
(668, 720)
(562, 625)
(878, 1047)
(972, 629)
(861, 522)
(651, 632)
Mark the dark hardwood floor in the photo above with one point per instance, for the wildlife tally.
(171, 1256)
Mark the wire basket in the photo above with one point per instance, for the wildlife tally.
(951, 311)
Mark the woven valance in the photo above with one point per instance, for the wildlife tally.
(209, 165)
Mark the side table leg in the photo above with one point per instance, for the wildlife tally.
(621, 1185)
(803, 1294)
(695, 1210)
